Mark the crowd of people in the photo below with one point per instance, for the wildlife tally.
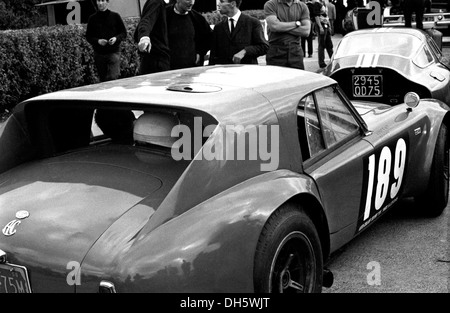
(174, 35)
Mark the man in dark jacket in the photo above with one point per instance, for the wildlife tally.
(239, 38)
(151, 37)
(105, 31)
(189, 35)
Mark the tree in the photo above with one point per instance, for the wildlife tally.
(19, 14)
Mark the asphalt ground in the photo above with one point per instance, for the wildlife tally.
(403, 252)
(312, 64)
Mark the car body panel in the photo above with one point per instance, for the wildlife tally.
(76, 197)
(429, 78)
(162, 225)
(206, 247)
(422, 129)
(234, 84)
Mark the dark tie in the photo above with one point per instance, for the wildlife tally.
(231, 25)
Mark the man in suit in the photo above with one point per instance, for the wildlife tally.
(238, 39)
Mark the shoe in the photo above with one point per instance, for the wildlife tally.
(323, 65)
(310, 56)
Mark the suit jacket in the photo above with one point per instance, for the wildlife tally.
(153, 24)
(247, 34)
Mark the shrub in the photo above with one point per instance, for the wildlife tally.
(21, 14)
(40, 60)
(46, 59)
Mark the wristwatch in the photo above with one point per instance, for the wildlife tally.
(298, 24)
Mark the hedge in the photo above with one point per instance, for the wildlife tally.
(45, 59)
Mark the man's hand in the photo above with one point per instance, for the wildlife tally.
(112, 40)
(237, 58)
(145, 45)
(102, 42)
(197, 59)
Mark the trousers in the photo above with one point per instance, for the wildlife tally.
(289, 54)
(108, 65)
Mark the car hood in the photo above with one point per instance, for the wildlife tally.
(370, 110)
(380, 116)
(71, 203)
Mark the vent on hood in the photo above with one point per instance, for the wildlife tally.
(194, 88)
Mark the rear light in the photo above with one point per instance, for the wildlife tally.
(106, 287)
(412, 100)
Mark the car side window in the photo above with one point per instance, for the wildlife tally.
(323, 121)
(310, 135)
(337, 121)
(423, 57)
(434, 48)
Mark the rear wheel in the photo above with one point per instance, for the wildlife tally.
(289, 255)
(435, 198)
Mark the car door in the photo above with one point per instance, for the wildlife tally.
(344, 165)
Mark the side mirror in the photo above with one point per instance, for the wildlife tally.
(412, 100)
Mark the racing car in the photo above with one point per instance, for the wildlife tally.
(236, 178)
(383, 64)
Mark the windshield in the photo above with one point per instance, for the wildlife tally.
(402, 45)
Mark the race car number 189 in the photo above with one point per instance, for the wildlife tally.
(389, 177)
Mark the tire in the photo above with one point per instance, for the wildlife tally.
(288, 258)
(435, 198)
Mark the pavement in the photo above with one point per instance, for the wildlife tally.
(312, 64)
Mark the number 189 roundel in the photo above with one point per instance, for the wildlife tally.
(210, 179)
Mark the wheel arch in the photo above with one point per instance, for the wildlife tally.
(313, 208)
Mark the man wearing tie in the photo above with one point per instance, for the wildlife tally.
(238, 39)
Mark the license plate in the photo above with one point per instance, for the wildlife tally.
(14, 279)
(367, 85)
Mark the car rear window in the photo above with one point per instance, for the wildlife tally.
(396, 44)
